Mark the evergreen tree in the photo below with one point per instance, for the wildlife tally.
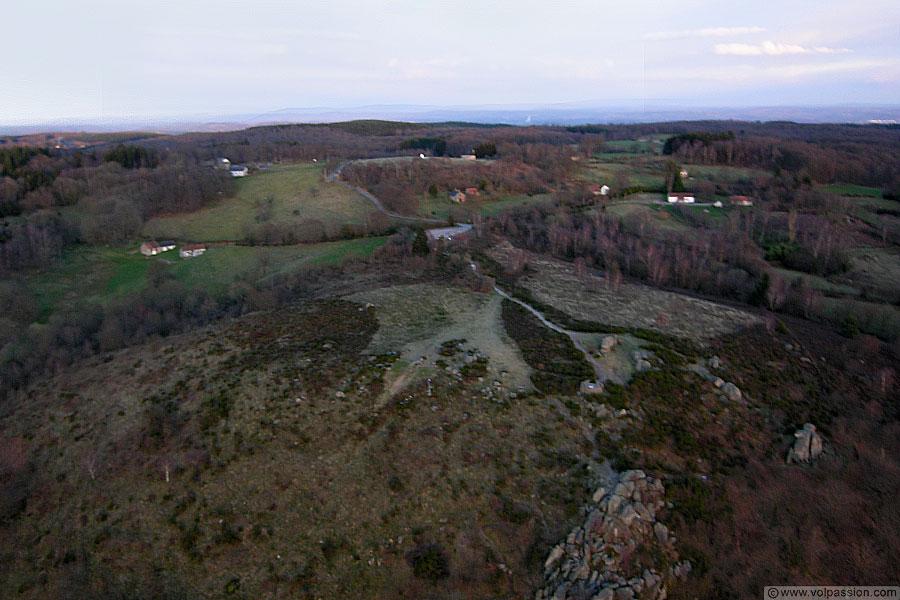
(420, 243)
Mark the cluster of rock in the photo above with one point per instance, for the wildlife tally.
(611, 556)
(807, 445)
(608, 343)
(731, 391)
(641, 360)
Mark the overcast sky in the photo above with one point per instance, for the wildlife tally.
(90, 59)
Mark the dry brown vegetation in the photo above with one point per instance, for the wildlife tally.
(249, 455)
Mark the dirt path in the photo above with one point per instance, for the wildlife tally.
(333, 177)
(599, 370)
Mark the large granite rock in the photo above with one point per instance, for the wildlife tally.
(807, 445)
(598, 560)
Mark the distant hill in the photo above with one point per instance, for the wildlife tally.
(573, 113)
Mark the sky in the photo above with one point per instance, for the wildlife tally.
(101, 60)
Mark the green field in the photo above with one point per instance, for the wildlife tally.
(98, 274)
(648, 174)
(297, 192)
(846, 189)
(222, 265)
(87, 274)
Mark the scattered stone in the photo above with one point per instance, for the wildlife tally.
(642, 365)
(714, 363)
(637, 355)
(807, 446)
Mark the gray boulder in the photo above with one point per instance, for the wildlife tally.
(608, 343)
(732, 391)
(807, 445)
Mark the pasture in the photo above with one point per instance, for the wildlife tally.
(846, 189)
(638, 172)
(95, 274)
(283, 194)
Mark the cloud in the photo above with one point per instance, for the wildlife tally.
(706, 32)
(765, 73)
(771, 48)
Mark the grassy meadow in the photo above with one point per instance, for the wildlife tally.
(97, 274)
(284, 193)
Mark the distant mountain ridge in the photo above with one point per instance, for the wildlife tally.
(570, 113)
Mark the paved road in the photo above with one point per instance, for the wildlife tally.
(334, 178)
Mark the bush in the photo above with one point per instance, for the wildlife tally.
(429, 562)
(850, 326)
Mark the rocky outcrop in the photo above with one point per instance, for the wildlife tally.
(615, 554)
(641, 359)
(608, 343)
(807, 445)
(731, 391)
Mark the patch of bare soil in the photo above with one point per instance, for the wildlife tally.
(415, 320)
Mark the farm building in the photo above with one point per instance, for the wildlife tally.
(223, 163)
(238, 171)
(471, 191)
(468, 156)
(600, 190)
(741, 201)
(457, 196)
(681, 197)
(150, 248)
(191, 251)
(153, 248)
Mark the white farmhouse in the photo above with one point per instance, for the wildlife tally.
(681, 197)
(191, 251)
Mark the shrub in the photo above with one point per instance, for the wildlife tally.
(429, 562)
(850, 326)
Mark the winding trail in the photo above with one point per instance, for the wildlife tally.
(599, 371)
(333, 177)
